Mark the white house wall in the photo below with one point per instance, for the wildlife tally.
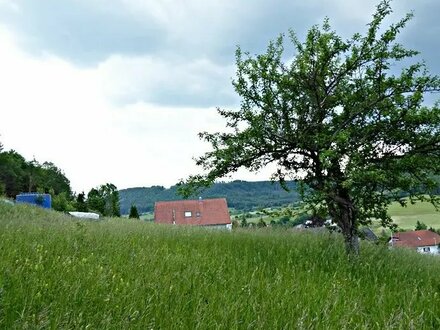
(433, 249)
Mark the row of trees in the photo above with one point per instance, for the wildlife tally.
(18, 175)
(103, 200)
(285, 217)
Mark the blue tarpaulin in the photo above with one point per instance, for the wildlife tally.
(43, 200)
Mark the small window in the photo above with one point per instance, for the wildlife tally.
(188, 214)
(426, 249)
(198, 214)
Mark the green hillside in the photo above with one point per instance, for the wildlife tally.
(60, 273)
(241, 195)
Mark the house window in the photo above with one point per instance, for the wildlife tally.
(198, 214)
(188, 214)
(426, 249)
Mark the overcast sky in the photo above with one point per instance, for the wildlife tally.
(117, 90)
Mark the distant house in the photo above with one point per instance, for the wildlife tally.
(202, 212)
(424, 241)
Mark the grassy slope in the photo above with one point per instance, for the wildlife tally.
(59, 273)
(407, 217)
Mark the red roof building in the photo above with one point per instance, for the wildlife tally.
(202, 212)
(424, 241)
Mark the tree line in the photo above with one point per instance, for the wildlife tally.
(241, 195)
(18, 175)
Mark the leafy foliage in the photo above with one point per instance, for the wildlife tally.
(80, 203)
(18, 175)
(62, 203)
(105, 200)
(339, 118)
(13, 173)
(421, 226)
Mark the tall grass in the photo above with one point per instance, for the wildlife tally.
(56, 272)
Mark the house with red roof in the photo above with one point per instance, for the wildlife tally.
(424, 241)
(202, 212)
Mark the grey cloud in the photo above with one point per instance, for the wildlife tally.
(79, 31)
(167, 81)
(90, 31)
(174, 36)
(422, 34)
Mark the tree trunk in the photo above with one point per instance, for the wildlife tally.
(352, 245)
(343, 213)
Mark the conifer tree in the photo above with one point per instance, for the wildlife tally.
(133, 212)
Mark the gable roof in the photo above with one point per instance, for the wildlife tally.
(368, 234)
(417, 238)
(204, 212)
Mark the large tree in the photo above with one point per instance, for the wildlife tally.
(18, 175)
(80, 203)
(104, 200)
(53, 178)
(348, 118)
(13, 173)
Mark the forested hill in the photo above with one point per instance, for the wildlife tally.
(240, 195)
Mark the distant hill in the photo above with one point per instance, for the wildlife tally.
(241, 195)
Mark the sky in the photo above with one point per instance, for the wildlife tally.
(117, 90)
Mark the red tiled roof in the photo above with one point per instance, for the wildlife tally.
(203, 212)
(416, 238)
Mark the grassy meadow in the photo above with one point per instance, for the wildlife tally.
(407, 217)
(57, 272)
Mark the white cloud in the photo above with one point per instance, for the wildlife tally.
(57, 112)
(354, 10)
(10, 5)
(166, 80)
(186, 16)
(50, 110)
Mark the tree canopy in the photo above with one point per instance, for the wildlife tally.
(105, 200)
(347, 118)
(18, 175)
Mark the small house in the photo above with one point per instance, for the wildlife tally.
(202, 212)
(424, 241)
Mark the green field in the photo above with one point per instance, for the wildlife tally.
(60, 273)
(407, 217)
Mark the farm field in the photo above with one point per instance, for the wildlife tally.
(407, 217)
(57, 272)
